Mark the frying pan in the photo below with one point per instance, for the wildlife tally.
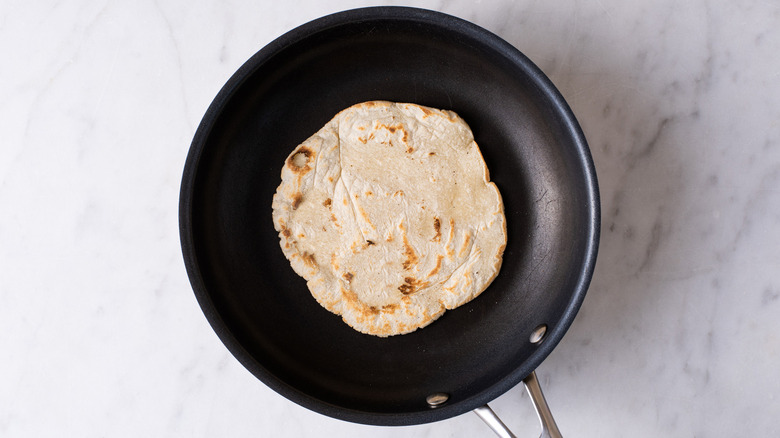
(264, 313)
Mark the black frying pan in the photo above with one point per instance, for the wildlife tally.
(262, 310)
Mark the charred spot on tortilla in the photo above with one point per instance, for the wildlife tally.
(437, 229)
(447, 215)
(300, 159)
(296, 200)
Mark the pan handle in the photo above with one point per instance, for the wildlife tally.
(549, 428)
(495, 423)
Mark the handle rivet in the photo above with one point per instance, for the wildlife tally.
(437, 399)
(538, 334)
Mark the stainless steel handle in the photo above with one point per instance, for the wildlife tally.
(549, 428)
(495, 423)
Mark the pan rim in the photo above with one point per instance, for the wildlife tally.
(450, 23)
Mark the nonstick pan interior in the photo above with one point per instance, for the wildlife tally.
(263, 311)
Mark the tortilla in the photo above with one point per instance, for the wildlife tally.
(389, 214)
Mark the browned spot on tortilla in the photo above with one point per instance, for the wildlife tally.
(409, 150)
(398, 193)
(301, 236)
(369, 193)
(291, 161)
(405, 138)
(324, 229)
(411, 256)
(362, 140)
(330, 179)
(349, 296)
(373, 310)
(451, 289)
(361, 128)
(450, 236)
(286, 231)
(327, 202)
(436, 268)
(369, 242)
(334, 262)
(406, 288)
(466, 240)
(296, 200)
(393, 128)
(426, 112)
(349, 276)
(428, 317)
(389, 237)
(335, 221)
(365, 217)
(411, 285)
(344, 200)
(431, 153)
(467, 275)
(309, 259)
(390, 308)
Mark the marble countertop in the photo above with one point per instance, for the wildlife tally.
(101, 335)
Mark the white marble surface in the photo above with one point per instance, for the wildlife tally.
(102, 336)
